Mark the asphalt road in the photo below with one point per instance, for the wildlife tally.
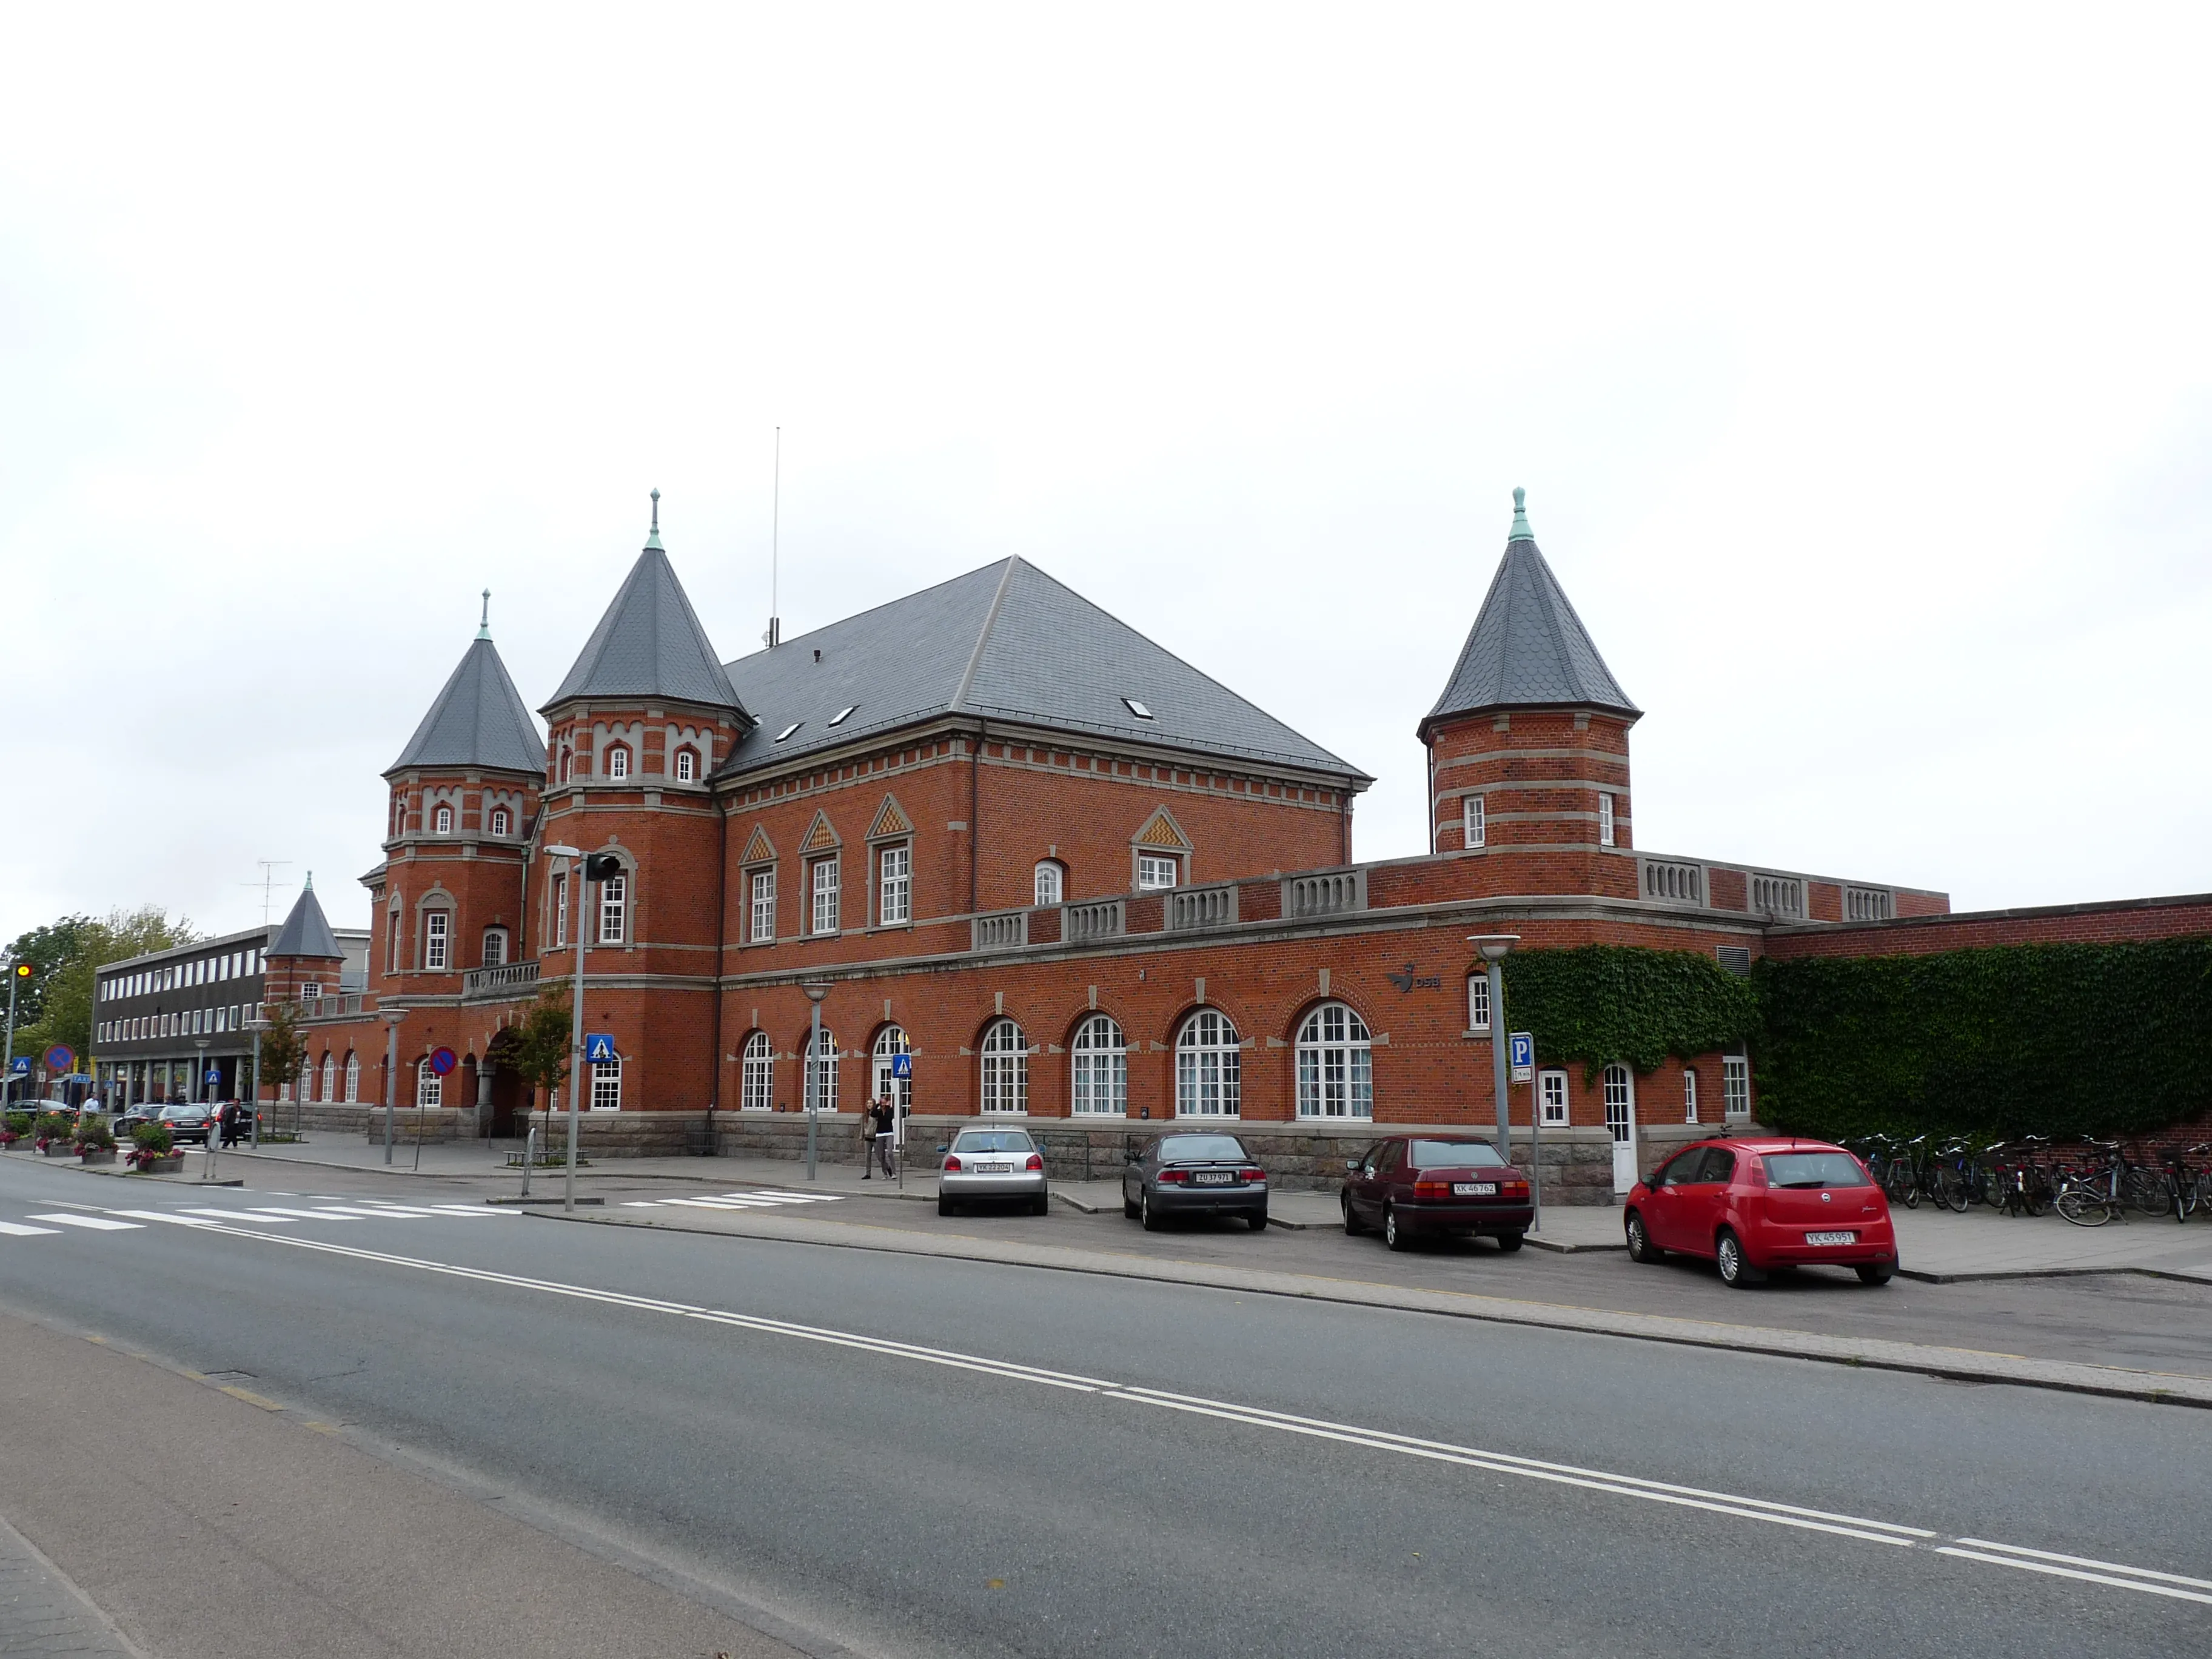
(1201, 1474)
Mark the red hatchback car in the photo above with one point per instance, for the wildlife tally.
(1754, 1206)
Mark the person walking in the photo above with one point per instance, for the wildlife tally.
(868, 1140)
(880, 1114)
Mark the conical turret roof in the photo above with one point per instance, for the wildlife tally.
(650, 644)
(479, 720)
(306, 930)
(1527, 648)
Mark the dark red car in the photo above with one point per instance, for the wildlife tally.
(1755, 1206)
(1410, 1185)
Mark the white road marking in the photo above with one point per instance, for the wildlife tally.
(174, 1218)
(12, 1230)
(710, 1203)
(788, 1197)
(99, 1223)
(2143, 1579)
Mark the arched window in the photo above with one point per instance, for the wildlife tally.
(568, 764)
(890, 1042)
(822, 1056)
(429, 1087)
(1051, 883)
(614, 908)
(500, 820)
(756, 1085)
(1207, 1067)
(330, 1077)
(606, 1085)
(618, 762)
(437, 938)
(495, 947)
(1336, 1064)
(1102, 1068)
(444, 820)
(352, 1078)
(1005, 1068)
(687, 766)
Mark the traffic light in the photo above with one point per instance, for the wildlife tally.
(26, 971)
(601, 866)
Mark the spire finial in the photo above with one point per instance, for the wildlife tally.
(310, 887)
(1521, 531)
(653, 540)
(483, 627)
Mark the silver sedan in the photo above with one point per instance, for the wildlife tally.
(992, 1163)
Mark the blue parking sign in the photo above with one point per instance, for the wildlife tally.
(600, 1048)
(902, 1065)
(1521, 1054)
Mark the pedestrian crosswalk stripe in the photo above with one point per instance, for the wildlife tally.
(764, 1200)
(99, 1223)
(12, 1230)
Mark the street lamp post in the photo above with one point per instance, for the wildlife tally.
(576, 870)
(1493, 949)
(392, 1017)
(257, 1026)
(199, 1093)
(814, 992)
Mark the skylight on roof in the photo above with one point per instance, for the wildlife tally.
(1138, 709)
(788, 730)
(838, 719)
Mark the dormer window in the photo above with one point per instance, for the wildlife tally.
(618, 762)
(445, 821)
(687, 766)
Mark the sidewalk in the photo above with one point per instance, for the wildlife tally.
(42, 1614)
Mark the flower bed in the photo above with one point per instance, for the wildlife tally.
(154, 1151)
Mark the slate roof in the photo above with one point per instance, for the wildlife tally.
(1527, 646)
(1004, 642)
(306, 931)
(479, 720)
(650, 644)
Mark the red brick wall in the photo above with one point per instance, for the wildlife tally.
(1539, 772)
(2124, 920)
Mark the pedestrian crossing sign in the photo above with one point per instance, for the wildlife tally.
(902, 1065)
(600, 1048)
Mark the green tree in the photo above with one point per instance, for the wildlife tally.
(56, 1005)
(538, 1049)
(283, 1046)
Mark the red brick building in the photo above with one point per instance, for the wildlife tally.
(1069, 875)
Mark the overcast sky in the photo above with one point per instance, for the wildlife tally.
(1859, 370)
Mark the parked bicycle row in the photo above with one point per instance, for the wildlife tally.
(2087, 1181)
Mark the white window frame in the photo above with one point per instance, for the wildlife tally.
(352, 1077)
(687, 765)
(757, 1075)
(1474, 831)
(1336, 1064)
(1099, 1067)
(606, 1085)
(500, 820)
(1605, 829)
(330, 1091)
(1050, 882)
(437, 941)
(825, 1070)
(495, 947)
(1006, 1070)
(763, 894)
(613, 909)
(618, 760)
(429, 1087)
(444, 819)
(1151, 867)
(890, 1042)
(1209, 1068)
(821, 887)
(1478, 1001)
(560, 911)
(1689, 1095)
(1551, 1096)
(895, 883)
(1735, 1087)
(1620, 1085)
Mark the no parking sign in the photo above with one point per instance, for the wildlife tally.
(442, 1061)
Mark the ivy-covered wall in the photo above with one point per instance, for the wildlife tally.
(2027, 1039)
(1602, 1003)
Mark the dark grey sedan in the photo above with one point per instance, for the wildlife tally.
(1180, 1175)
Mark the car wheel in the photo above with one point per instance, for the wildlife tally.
(1041, 1205)
(944, 1206)
(1147, 1214)
(1876, 1273)
(1640, 1247)
(1736, 1271)
(1396, 1237)
(1259, 1220)
(1508, 1243)
(1352, 1223)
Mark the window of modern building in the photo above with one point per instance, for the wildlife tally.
(429, 1087)
(687, 766)
(618, 762)
(822, 1069)
(1551, 1090)
(894, 892)
(1478, 1001)
(613, 909)
(495, 947)
(1336, 1064)
(1472, 829)
(1689, 1096)
(763, 907)
(823, 881)
(1154, 872)
(890, 1042)
(352, 1078)
(501, 821)
(1605, 821)
(444, 820)
(1209, 1066)
(1101, 1056)
(1051, 881)
(606, 1085)
(1735, 1086)
(437, 937)
(757, 1083)
(1005, 1069)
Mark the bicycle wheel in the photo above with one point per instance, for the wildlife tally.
(1951, 1189)
(2084, 1207)
(2147, 1193)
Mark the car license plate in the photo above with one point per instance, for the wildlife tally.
(1474, 1189)
(1831, 1238)
(1213, 1177)
(995, 1168)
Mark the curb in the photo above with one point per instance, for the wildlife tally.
(1958, 1364)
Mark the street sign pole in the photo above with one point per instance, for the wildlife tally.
(1494, 948)
(8, 1070)
(575, 1031)
(1523, 1046)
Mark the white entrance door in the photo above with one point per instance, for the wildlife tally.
(1621, 1121)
